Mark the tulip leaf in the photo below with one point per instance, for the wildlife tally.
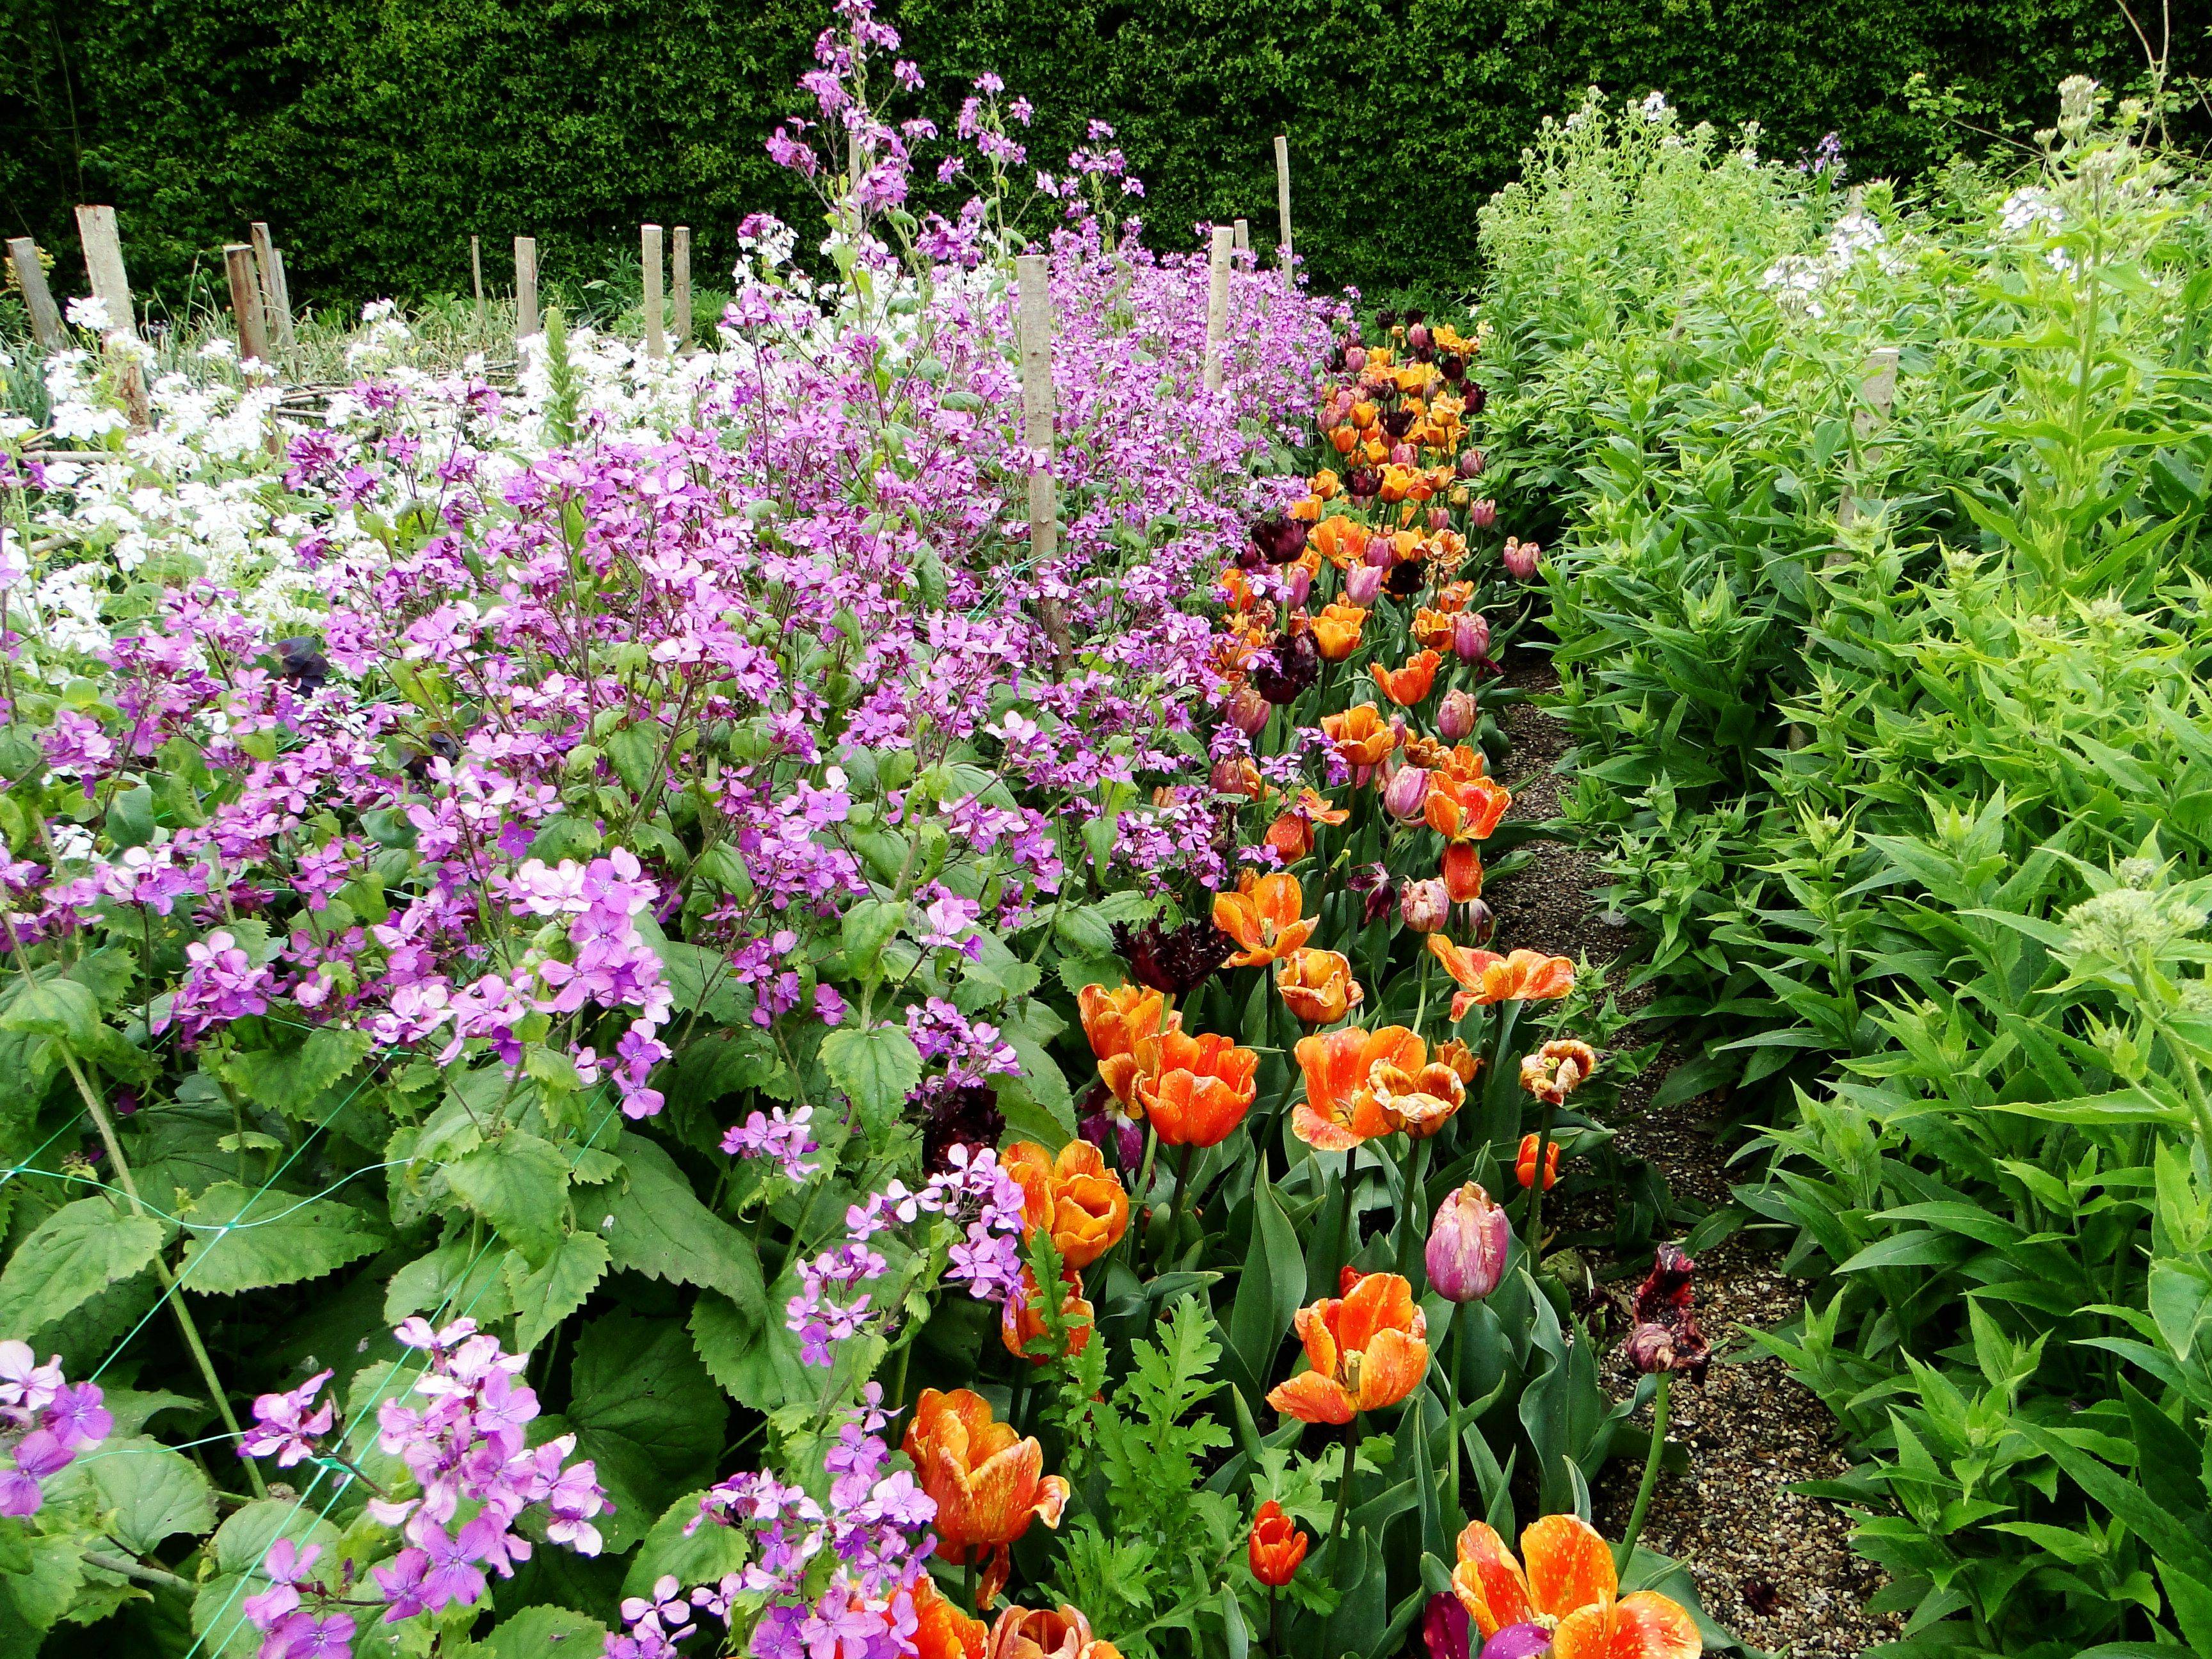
(1271, 1288)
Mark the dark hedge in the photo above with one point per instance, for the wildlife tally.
(376, 135)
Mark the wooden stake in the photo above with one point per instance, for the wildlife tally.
(276, 306)
(283, 297)
(103, 265)
(475, 274)
(1217, 303)
(38, 299)
(656, 339)
(525, 286)
(246, 302)
(1283, 208)
(1243, 229)
(1033, 273)
(679, 259)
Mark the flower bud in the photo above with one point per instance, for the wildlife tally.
(1248, 711)
(1470, 463)
(1276, 1546)
(1440, 518)
(1355, 359)
(1521, 558)
(1470, 635)
(1476, 397)
(1425, 906)
(1456, 716)
(1477, 921)
(1467, 1245)
(1406, 794)
(1363, 585)
(1363, 482)
(1381, 552)
(1483, 514)
(1401, 454)
(1298, 582)
(1418, 336)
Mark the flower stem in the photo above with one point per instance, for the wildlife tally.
(1460, 1319)
(1175, 1208)
(1413, 1171)
(1535, 1234)
(1627, 1546)
(1344, 1229)
(1354, 1433)
(185, 1323)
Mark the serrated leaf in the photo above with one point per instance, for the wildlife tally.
(541, 1633)
(878, 1068)
(53, 1007)
(153, 1492)
(291, 1080)
(545, 1295)
(75, 1253)
(644, 1412)
(452, 1281)
(244, 1240)
(635, 752)
(518, 1183)
(661, 1230)
(237, 1549)
(44, 1593)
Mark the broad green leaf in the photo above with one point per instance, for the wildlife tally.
(635, 752)
(541, 1633)
(291, 1080)
(656, 1225)
(75, 1253)
(237, 1551)
(647, 1415)
(711, 1551)
(547, 1295)
(519, 1183)
(58, 1008)
(154, 1492)
(878, 1067)
(1272, 1287)
(451, 1281)
(43, 1594)
(244, 1240)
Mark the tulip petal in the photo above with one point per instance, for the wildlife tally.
(1323, 1135)
(1643, 1625)
(1379, 1302)
(1313, 1397)
(1489, 1581)
(1392, 1367)
(1051, 1498)
(1570, 1564)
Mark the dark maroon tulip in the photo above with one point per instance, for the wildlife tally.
(961, 1116)
(1405, 580)
(1398, 422)
(1476, 397)
(1455, 367)
(1364, 483)
(1377, 887)
(1666, 1337)
(1279, 538)
(1289, 668)
(1173, 960)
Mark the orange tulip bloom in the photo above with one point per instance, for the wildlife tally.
(1339, 1110)
(1570, 1582)
(1484, 977)
(941, 1630)
(1363, 414)
(1367, 1351)
(1276, 1546)
(1325, 484)
(1339, 540)
(1433, 628)
(1465, 809)
(1317, 985)
(1408, 685)
(1074, 1196)
(1420, 1100)
(1344, 437)
(1307, 511)
(1292, 834)
(1463, 1061)
(1396, 481)
(1361, 735)
(1454, 598)
(1524, 1164)
(1262, 916)
(1021, 1324)
(1200, 1090)
(1046, 1633)
(1463, 871)
(988, 1485)
(1116, 1021)
(1558, 1069)
(1405, 545)
(1336, 631)
(1464, 763)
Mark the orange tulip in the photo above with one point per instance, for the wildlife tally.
(1317, 985)
(1419, 1100)
(1339, 540)
(1366, 1351)
(1463, 871)
(1362, 737)
(1524, 1164)
(1276, 1546)
(1325, 484)
(1484, 977)
(1307, 511)
(1558, 1069)
(941, 1630)
(1262, 916)
(1454, 598)
(1569, 1583)
(1363, 414)
(1465, 809)
(1463, 1061)
(1021, 1324)
(1396, 481)
(1046, 1633)
(1200, 1090)
(1292, 834)
(1116, 1021)
(1339, 1110)
(1336, 631)
(1463, 763)
(1344, 437)
(1433, 628)
(1074, 1197)
(988, 1485)
(1408, 685)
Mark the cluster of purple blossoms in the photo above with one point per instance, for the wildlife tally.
(46, 1420)
(468, 1444)
(971, 1050)
(785, 1134)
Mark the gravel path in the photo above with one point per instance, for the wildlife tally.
(1775, 1568)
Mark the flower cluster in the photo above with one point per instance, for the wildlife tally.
(45, 1422)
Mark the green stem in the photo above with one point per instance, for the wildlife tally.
(1458, 1414)
(1534, 1241)
(1413, 1171)
(1344, 1231)
(1275, 1599)
(1354, 1434)
(1627, 1546)
(185, 1323)
(1175, 1208)
(968, 1581)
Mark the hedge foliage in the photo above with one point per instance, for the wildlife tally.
(376, 135)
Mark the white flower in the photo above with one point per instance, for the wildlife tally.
(1654, 106)
(90, 312)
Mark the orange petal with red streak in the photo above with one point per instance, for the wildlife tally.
(1489, 1581)
(1569, 1566)
(1643, 1625)
(1312, 1397)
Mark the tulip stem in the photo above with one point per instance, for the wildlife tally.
(1275, 1600)
(968, 1580)
(1413, 1171)
(1344, 1229)
(1176, 1208)
(1461, 1320)
(1354, 1434)
(1536, 1184)
(1659, 1400)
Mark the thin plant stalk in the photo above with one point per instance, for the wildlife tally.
(1626, 1548)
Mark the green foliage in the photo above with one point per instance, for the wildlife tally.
(376, 137)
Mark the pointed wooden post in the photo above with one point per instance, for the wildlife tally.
(656, 339)
(679, 259)
(103, 268)
(246, 303)
(38, 299)
(1033, 327)
(476, 275)
(1283, 208)
(526, 288)
(1217, 303)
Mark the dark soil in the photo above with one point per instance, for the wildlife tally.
(1775, 1568)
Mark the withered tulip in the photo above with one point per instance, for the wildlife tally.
(1484, 978)
(1558, 1069)
(1420, 1099)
